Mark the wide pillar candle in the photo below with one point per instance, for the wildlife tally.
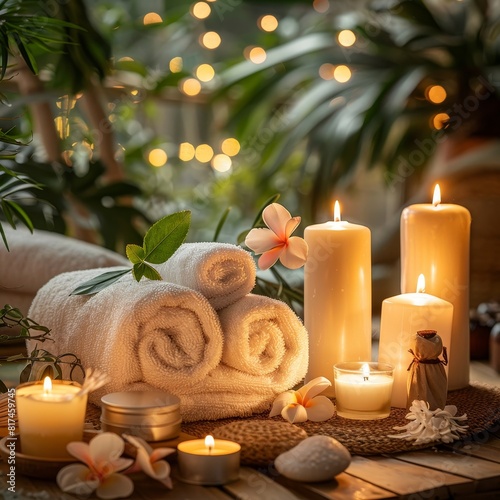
(402, 316)
(435, 242)
(337, 296)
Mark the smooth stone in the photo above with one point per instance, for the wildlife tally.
(317, 458)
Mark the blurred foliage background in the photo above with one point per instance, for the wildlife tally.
(138, 109)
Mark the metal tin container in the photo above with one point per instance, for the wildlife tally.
(151, 415)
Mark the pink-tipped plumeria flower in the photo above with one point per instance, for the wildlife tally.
(305, 404)
(149, 460)
(276, 243)
(102, 457)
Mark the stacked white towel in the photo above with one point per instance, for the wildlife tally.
(36, 258)
(150, 333)
(222, 272)
(160, 335)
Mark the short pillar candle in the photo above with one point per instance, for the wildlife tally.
(51, 414)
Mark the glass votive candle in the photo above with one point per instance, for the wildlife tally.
(363, 390)
(208, 462)
(51, 413)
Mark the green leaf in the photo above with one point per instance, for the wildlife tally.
(221, 223)
(99, 282)
(142, 269)
(135, 253)
(165, 236)
(138, 271)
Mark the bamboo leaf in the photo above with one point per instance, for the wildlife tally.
(221, 223)
(99, 282)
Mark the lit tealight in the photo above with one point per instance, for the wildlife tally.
(209, 443)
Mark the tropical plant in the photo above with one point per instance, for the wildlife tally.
(367, 101)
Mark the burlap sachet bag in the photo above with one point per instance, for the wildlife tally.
(427, 379)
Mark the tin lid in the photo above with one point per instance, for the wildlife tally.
(149, 418)
(141, 401)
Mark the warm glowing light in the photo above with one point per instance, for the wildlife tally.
(267, 23)
(47, 385)
(191, 86)
(436, 94)
(201, 10)
(346, 38)
(336, 211)
(439, 120)
(157, 157)
(436, 197)
(230, 146)
(421, 283)
(186, 151)
(152, 18)
(205, 72)
(125, 59)
(342, 73)
(209, 442)
(204, 153)
(210, 40)
(257, 55)
(321, 6)
(327, 71)
(175, 64)
(221, 163)
(365, 370)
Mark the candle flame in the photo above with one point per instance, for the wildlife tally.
(365, 370)
(421, 283)
(436, 198)
(336, 211)
(209, 443)
(47, 385)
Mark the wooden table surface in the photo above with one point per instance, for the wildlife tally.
(469, 472)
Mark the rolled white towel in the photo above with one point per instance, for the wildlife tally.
(36, 258)
(265, 353)
(222, 272)
(148, 334)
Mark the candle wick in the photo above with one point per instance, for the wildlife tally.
(209, 450)
(365, 379)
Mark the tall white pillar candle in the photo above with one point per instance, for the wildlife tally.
(337, 295)
(402, 316)
(435, 241)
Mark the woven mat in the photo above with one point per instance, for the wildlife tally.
(369, 437)
(481, 403)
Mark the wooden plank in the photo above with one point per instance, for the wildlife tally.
(454, 463)
(254, 485)
(343, 487)
(404, 478)
(485, 451)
